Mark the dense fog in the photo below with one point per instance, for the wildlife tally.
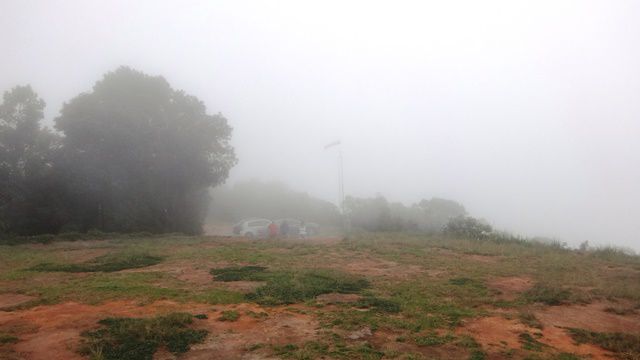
(526, 113)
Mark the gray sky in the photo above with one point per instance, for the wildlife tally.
(528, 112)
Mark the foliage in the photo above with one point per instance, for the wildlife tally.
(284, 287)
(237, 273)
(229, 315)
(378, 304)
(547, 294)
(626, 346)
(530, 343)
(30, 198)
(7, 339)
(140, 156)
(433, 339)
(140, 338)
(287, 287)
(377, 214)
(467, 227)
(105, 263)
(439, 211)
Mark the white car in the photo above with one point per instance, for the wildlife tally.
(254, 227)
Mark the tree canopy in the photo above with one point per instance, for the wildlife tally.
(133, 155)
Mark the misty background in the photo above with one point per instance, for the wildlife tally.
(527, 113)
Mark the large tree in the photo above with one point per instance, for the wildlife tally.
(29, 193)
(140, 155)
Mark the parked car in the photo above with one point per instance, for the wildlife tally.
(254, 227)
(294, 226)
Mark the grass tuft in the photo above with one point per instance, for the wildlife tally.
(105, 263)
(7, 339)
(378, 304)
(288, 287)
(238, 273)
(547, 295)
(140, 338)
(530, 343)
(433, 339)
(626, 346)
(229, 315)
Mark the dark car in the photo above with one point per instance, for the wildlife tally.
(295, 224)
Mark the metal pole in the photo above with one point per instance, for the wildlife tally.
(345, 217)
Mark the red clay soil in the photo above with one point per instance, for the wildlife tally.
(510, 288)
(230, 340)
(590, 317)
(387, 341)
(53, 332)
(192, 273)
(369, 266)
(10, 300)
(497, 334)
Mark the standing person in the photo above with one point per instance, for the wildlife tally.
(303, 231)
(273, 230)
(284, 229)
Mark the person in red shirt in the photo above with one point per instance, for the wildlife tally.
(273, 230)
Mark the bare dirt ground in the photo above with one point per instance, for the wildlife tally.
(53, 332)
(498, 335)
(509, 288)
(10, 300)
(591, 317)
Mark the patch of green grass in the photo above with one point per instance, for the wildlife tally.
(254, 347)
(478, 355)
(620, 311)
(464, 281)
(105, 263)
(378, 304)
(433, 339)
(229, 315)
(293, 287)
(547, 295)
(237, 273)
(530, 343)
(626, 346)
(7, 339)
(528, 318)
(257, 315)
(140, 338)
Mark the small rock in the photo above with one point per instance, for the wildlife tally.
(359, 334)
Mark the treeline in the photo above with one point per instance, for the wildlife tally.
(131, 155)
(378, 214)
(271, 200)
